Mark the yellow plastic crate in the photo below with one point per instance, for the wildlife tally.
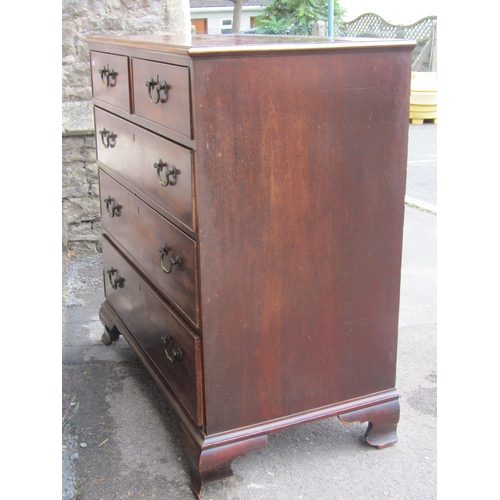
(424, 81)
(423, 97)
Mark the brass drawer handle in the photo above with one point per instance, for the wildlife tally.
(118, 282)
(158, 87)
(114, 207)
(107, 138)
(176, 353)
(173, 262)
(159, 167)
(106, 74)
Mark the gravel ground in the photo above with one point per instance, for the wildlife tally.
(82, 275)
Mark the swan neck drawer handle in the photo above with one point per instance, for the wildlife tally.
(173, 262)
(155, 88)
(115, 208)
(172, 172)
(107, 138)
(116, 282)
(106, 74)
(176, 354)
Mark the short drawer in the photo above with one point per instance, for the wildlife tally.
(172, 347)
(156, 167)
(165, 254)
(110, 79)
(161, 95)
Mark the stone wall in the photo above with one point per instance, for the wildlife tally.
(81, 228)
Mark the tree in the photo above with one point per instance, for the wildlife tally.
(238, 7)
(178, 16)
(296, 16)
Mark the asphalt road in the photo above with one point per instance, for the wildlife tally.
(120, 438)
(421, 180)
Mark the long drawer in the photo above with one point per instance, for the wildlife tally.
(165, 253)
(171, 346)
(159, 169)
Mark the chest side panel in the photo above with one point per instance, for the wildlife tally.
(301, 164)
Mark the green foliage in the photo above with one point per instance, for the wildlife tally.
(273, 26)
(296, 17)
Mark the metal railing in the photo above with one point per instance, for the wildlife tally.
(372, 25)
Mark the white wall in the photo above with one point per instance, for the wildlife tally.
(393, 11)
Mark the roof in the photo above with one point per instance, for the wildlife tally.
(196, 4)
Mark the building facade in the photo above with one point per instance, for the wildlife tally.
(216, 16)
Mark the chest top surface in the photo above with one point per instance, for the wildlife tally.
(206, 45)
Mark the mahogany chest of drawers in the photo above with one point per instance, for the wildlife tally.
(252, 199)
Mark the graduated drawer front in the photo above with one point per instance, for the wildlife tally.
(132, 152)
(171, 110)
(150, 321)
(142, 232)
(110, 79)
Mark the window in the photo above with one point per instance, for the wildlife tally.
(226, 26)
